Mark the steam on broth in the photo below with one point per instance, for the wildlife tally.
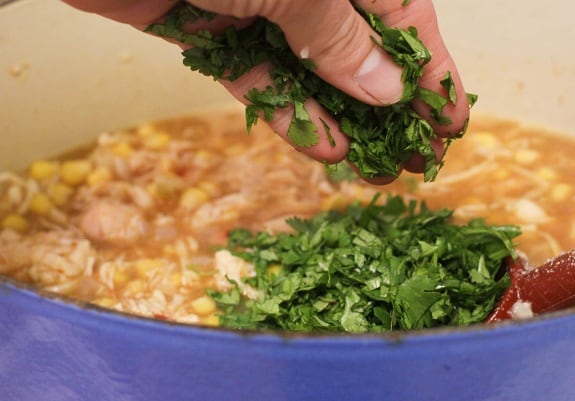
(133, 222)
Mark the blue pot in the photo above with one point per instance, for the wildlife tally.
(53, 349)
(58, 350)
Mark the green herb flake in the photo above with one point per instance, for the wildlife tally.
(385, 266)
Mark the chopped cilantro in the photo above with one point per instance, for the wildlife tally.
(340, 172)
(374, 268)
(382, 138)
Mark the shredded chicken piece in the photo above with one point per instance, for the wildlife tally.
(114, 223)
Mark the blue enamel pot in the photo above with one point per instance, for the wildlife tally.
(63, 72)
(56, 349)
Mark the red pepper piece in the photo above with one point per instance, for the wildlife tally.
(547, 288)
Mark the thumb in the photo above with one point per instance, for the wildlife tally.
(335, 37)
(421, 14)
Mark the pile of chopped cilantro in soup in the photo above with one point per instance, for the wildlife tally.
(191, 220)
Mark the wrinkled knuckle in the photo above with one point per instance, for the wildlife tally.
(273, 10)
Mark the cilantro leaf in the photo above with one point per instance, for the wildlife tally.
(302, 131)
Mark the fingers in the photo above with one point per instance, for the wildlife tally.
(335, 37)
(134, 12)
(333, 144)
(421, 14)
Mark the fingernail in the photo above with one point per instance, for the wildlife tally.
(380, 77)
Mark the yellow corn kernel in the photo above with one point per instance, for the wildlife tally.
(192, 198)
(274, 270)
(211, 320)
(203, 305)
(99, 176)
(145, 130)
(74, 172)
(134, 287)
(120, 276)
(152, 189)
(175, 279)
(42, 169)
(41, 204)
(561, 192)
(204, 157)
(15, 222)
(501, 174)
(122, 149)
(210, 187)
(143, 266)
(334, 202)
(471, 200)
(105, 302)
(157, 141)
(486, 139)
(526, 156)
(60, 193)
(235, 150)
(169, 249)
(547, 173)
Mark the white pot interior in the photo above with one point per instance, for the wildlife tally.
(66, 75)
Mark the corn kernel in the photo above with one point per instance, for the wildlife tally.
(105, 302)
(203, 305)
(15, 222)
(175, 279)
(74, 172)
(157, 141)
(192, 198)
(152, 189)
(143, 266)
(501, 174)
(211, 320)
(41, 204)
(134, 287)
(486, 139)
(210, 187)
(526, 156)
(120, 276)
(334, 202)
(204, 157)
(235, 150)
(60, 193)
(99, 176)
(169, 249)
(561, 192)
(145, 130)
(471, 200)
(42, 169)
(274, 270)
(122, 149)
(547, 173)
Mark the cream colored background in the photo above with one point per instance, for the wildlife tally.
(65, 75)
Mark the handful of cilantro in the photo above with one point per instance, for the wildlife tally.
(370, 268)
(381, 138)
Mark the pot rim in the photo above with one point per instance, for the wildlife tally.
(68, 308)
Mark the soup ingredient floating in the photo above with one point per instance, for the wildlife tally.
(369, 268)
(381, 138)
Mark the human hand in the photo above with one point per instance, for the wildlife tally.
(338, 40)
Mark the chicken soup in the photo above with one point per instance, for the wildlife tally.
(136, 221)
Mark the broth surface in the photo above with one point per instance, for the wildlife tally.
(134, 222)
